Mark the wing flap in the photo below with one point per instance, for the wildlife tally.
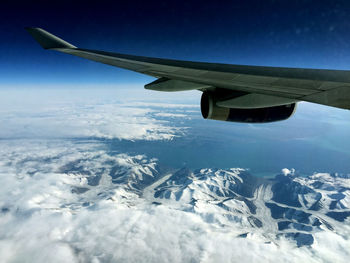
(164, 84)
(337, 97)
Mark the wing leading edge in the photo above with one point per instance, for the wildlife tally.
(287, 85)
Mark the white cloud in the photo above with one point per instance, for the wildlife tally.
(171, 115)
(287, 171)
(45, 116)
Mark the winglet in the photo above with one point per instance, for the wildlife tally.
(47, 40)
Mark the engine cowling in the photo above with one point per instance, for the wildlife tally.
(211, 111)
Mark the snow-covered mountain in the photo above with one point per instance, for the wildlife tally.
(287, 205)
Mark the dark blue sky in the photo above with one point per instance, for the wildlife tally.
(312, 34)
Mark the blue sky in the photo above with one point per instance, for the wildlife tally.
(277, 33)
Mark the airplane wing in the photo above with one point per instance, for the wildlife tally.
(228, 86)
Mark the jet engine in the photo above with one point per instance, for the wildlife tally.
(210, 110)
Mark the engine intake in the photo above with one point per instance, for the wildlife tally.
(211, 111)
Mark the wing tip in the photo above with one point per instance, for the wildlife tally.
(46, 39)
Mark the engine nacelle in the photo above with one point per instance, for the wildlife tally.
(210, 110)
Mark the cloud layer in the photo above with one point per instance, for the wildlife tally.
(84, 116)
(67, 196)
